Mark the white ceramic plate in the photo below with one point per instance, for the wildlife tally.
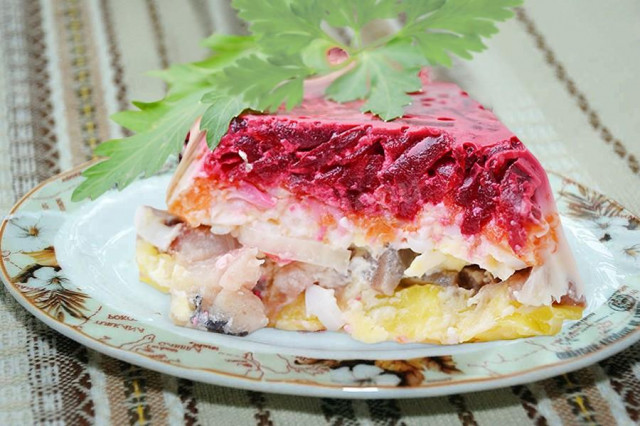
(72, 266)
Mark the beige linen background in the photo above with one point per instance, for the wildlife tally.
(563, 75)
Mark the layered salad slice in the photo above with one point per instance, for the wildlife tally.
(439, 226)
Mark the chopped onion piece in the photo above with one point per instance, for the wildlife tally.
(322, 303)
(299, 249)
(425, 263)
(433, 261)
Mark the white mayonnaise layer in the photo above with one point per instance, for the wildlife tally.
(550, 281)
(234, 211)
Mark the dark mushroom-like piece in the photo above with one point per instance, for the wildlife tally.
(473, 277)
(388, 273)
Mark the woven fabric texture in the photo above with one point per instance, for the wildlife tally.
(562, 75)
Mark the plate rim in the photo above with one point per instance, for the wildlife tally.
(221, 378)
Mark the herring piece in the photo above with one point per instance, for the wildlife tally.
(388, 273)
(157, 226)
(291, 280)
(287, 284)
(241, 311)
(241, 269)
(198, 244)
(238, 269)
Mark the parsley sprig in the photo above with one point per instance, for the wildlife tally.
(266, 70)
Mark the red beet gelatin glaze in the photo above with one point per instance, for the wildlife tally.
(447, 148)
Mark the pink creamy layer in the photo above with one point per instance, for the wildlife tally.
(447, 148)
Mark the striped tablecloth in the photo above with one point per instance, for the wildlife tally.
(563, 75)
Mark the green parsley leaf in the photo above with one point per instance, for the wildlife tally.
(414, 10)
(265, 83)
(384, 77)
(357, 14)
(350, 86)
(160, 126)
(183, 78)
(391, 79)
(229, 44)
(145, 152)
(456, 26)
(283, 25)
(217, 116)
